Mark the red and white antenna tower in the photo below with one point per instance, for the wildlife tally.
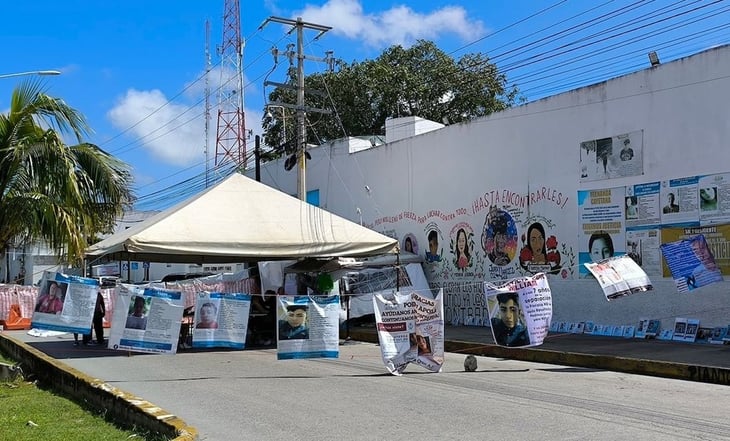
(230, 142)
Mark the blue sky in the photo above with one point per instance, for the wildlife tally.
(135, 68)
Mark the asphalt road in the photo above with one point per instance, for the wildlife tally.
(234, 395)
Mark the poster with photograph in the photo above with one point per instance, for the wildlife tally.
(693, 327)
(612, 157)
(429, 329)
(146, 319)
(642, 205)
(716, 236)
(619, 277)
(410, 329)
(642, 245)
(691, 263)
(714, 196)
(601, 219)
(680, 327)
(641, 328)
(65, 303)
(520, 310)
(221, 320)
(680, 201)
(308, 327)
(395, 318)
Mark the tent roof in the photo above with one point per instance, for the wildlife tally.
(239, 220)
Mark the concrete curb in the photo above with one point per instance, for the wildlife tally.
(124, 407)
(665, 369)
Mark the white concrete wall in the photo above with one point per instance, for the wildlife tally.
(448, 178)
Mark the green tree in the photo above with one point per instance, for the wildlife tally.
(63, 195)
(418, 81)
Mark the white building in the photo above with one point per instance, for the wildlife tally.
(543, 163)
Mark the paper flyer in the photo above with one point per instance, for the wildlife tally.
(221, 320)
(520, 310)
(65, 303)
(680, 201)
(691, 263)
(619, 276)
(146, 319)
(308, 327)
(714, 197)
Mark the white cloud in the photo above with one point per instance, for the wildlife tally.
(398, 25)
(172, 133)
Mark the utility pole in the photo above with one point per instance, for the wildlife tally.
(301, 110)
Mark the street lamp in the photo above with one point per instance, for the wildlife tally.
(33, 72)
(283, 118)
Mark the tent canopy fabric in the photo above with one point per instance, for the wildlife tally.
(241, 220)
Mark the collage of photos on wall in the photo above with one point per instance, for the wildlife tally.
(639, 220)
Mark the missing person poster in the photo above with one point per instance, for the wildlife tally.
(680, 201)
(520, 310)
(65, 303)
(691, 263)
(146, 319)
(221, 320)
(601, 222)
(619, 277)
(714, 199)
(410, 329)
(308, 327)
(716, 236)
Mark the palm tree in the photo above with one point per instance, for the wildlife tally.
(62, 195)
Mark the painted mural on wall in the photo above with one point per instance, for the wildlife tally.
(462, 247)
(409, 243)
(484, 242)
(612, 157)
(541, 250)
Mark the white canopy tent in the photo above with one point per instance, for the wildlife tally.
(240, 220)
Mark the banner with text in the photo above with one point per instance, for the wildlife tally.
(410, 329)
(65, 303)
(221, 320)
(520, 310)
(146, 319)
(308, 327)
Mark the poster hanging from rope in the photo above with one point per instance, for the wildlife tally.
(146, 319)
(221, 320)
(65, 303)
(691, 263)
(619, 276)
(520, 310)
(308, 327)
(410, 329)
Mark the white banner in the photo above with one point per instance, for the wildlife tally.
(410, 329)
(146, 319)
(221, 320)
(65, 303)
(520, 310)
(308, 327)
